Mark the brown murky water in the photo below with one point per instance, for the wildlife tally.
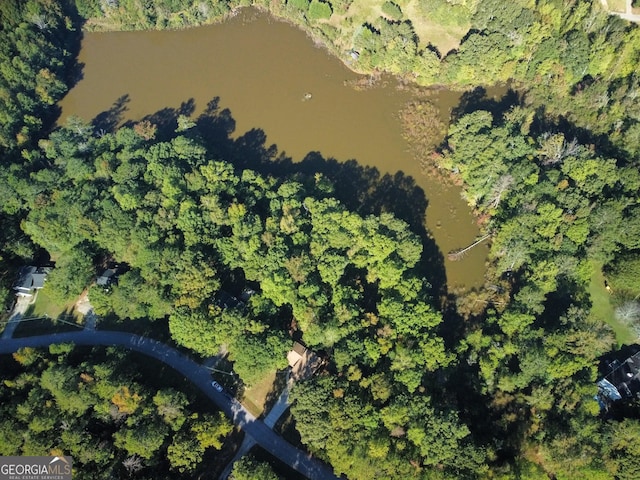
(261, 69)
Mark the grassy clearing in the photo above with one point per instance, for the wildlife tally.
(53, 317)
(617, 5)
(602, 308)
(256, 396)
(444, 38)
(45, 305)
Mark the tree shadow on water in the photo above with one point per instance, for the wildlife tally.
(109, 120)
(166, 120)
(215, 127)
(250, 150)
(363, 189)
(478, 99)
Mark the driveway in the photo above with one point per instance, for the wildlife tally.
(22, 304)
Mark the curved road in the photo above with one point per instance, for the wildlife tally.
(199, 376)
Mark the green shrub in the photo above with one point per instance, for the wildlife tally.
(392, 10)
(319, 10)
(88, 8)
(623, 275)
(299, 4)
(340, 6)
(330, 32)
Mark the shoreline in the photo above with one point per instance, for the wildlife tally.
(436, 174)
(103, 26)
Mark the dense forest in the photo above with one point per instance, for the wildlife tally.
(498, 382)
(98, 407)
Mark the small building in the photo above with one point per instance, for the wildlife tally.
(295, 355)
(31, 279)
(246, 294)
(226, 300)
(303, 362)
(621, 383)
(107, 277)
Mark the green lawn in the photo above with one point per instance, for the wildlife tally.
(603, 310)
(255, 397)
(45, 305)
(46, 315)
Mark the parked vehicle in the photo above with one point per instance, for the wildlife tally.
(217, 386)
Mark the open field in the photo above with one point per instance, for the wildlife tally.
(603, 310)
(444, 38)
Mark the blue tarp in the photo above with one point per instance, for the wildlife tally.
(606, 389)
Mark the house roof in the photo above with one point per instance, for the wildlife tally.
(293, 358)
(31, 277)
(305, 362)
(622, 381)
(296, 353)
(246, 294)
(299, 348)
(226, 300)
(106, 277)
(25, 279)
(38, 279)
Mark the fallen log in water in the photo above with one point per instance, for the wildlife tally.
(455, 255)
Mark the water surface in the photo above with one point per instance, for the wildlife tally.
(261, 69)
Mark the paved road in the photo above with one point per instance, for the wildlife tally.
(199, 376)
(281, 406)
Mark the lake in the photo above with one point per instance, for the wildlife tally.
(264, 72)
